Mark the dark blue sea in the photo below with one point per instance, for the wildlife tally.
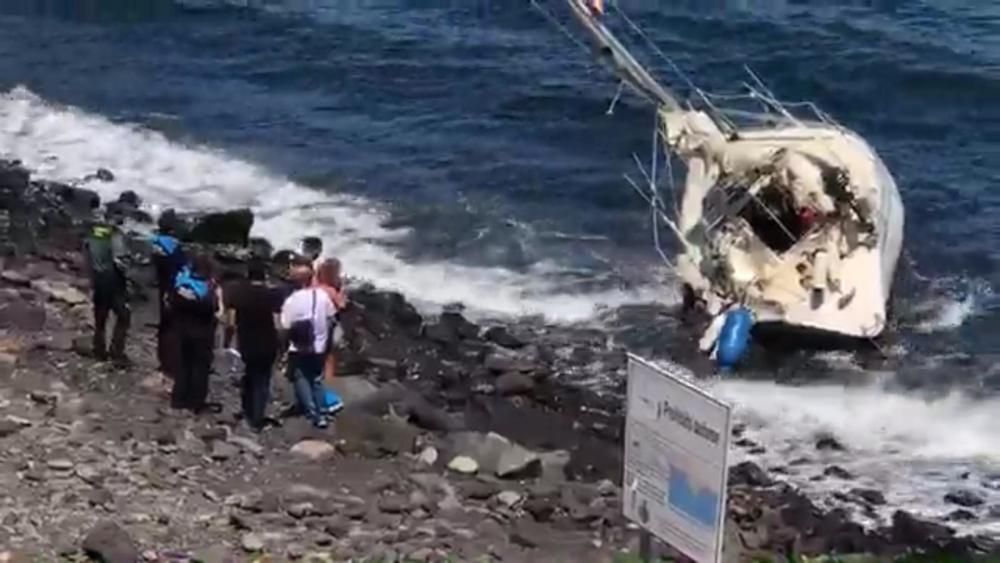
(462, 152)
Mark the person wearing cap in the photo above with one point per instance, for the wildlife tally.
(107, 267)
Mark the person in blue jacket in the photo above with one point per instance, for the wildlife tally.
(168, 259)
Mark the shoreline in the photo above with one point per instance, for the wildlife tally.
(412, 383)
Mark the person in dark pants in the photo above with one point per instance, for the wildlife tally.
(194, 304)
(168, 259)
(106, 256)
(252, 310)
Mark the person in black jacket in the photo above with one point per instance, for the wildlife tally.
(195, 304)
(252, 309)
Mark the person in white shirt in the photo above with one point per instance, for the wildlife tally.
(305, 317)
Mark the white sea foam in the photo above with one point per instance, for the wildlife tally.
(65, 143)
(912, 448)
(958, 299)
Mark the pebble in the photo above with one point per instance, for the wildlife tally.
(60, 464)
(247, 444)
(251, 542)
(606, 488)
(221, 451)
(509, 498)
(313, 450)
(464, 464)
(422, 554)
(428, 456)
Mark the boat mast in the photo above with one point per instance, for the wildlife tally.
(625, 65)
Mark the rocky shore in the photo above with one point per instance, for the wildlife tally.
(459, 441)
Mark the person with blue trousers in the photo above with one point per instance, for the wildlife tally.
(306, 317)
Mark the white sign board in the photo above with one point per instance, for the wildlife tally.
(676, 445)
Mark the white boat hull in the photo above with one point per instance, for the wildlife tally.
(820, 184)
(821, 282)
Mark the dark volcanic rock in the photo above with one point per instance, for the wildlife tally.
(394, 504)
(503, 361)
(748, 473)
(830, 443)
(8, 428)
(109, 543)
(911, 531)
(871, 496)
(478, 490)
(838, 472)
(961, 515)
(500, 336)
(360, 430)
(514, 384)
(451, 328)
(964, 497)
(541, 509)
(127, 205)
(128, 197)
(14, 178)
(228, 227)
(79, 200)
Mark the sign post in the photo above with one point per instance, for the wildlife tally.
(676, 461)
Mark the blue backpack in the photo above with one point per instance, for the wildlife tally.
(165, 245)
(168, 256)
(188, 287)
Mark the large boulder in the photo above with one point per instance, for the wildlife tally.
(78, 200)
(363, 432)
(14, 178)
(128, 206)
(226, 227)
(497, 455)
(911, 531)
(109, 543)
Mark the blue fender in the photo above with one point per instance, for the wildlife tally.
(734, 338)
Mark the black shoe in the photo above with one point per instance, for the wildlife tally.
(121, 362)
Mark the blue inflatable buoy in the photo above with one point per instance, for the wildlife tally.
(734, 338)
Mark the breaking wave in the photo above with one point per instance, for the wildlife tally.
(911, 447)
(65, 143)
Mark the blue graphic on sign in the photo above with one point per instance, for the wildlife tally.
(701, 505)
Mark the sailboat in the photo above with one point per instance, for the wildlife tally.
(784, 222)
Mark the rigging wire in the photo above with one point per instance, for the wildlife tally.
(549, 16)
(614, 101)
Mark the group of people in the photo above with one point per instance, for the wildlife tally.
(286, 311)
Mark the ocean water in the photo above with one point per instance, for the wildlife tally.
(463, 152)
